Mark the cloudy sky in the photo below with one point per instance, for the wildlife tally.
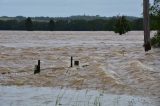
(55, 8)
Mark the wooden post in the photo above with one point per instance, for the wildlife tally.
(39, 65)
(37, 68)
(71, 61)
(76, 63)
(147, 43)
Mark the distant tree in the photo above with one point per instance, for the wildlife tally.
(122, 25)
(29, 24)
(51, 25)
(137, 24)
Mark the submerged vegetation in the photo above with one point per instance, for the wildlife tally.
(155, 41)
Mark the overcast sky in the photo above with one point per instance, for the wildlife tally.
(55, 8)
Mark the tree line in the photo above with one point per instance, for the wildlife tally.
(66, 25)
(71, 25)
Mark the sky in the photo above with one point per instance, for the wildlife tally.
(64, 8)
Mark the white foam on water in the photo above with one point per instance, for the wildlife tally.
(45, 96)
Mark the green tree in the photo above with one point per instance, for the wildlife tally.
(51, 25)
(155, 8)
(155, 15)
(122, 25)
(29, 24)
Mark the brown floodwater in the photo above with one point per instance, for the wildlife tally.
(109, 62)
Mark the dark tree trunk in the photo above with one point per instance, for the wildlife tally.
(147, 44)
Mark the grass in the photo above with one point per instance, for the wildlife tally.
(58, 99)
(97, 101)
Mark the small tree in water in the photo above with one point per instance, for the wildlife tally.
(122, 25)
(28, 24)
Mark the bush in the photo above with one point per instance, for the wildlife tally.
(122, 25)
(155, 41)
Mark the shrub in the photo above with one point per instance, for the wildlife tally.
(122, 25)
(155, 41)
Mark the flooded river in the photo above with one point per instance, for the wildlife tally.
(114, 64)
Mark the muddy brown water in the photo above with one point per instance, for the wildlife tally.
(109, 62)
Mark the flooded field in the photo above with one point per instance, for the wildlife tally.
(110, 63)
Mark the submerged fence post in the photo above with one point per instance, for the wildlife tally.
(147, 43)
(71, 61)
(37, 67)
(39, 64)
(76, 63)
